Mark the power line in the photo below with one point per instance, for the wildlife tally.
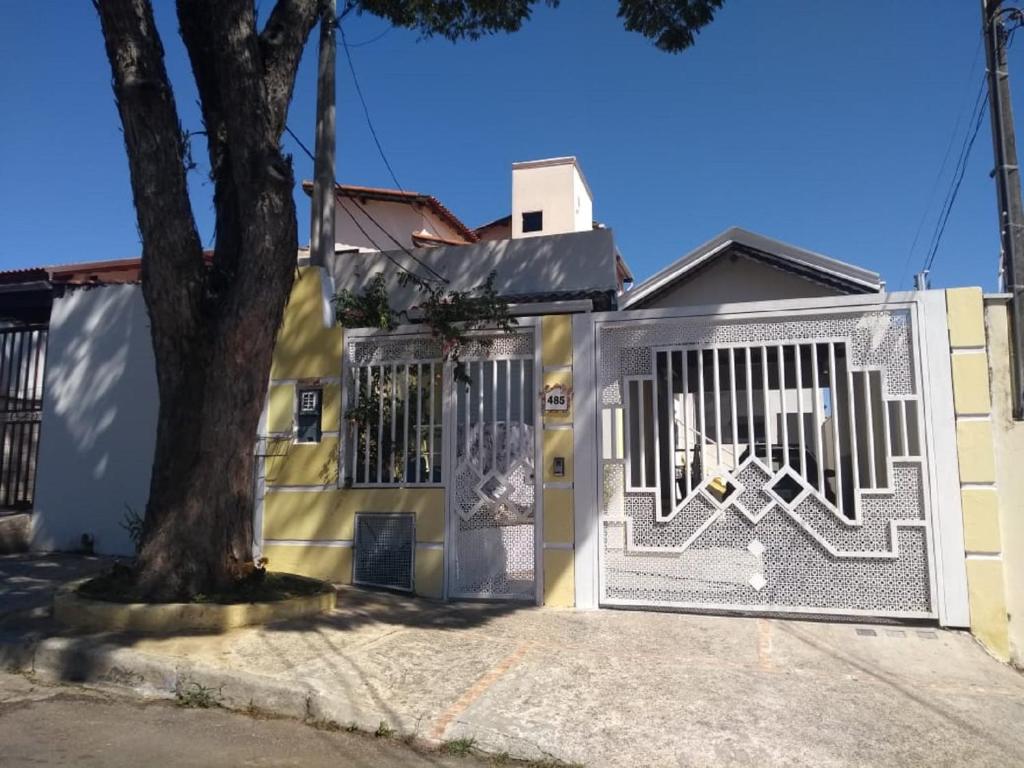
(965, 153)
(942, 166)
(366, 110)
(373, 39)
(408, 253)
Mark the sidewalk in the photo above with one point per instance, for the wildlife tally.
(611, 688)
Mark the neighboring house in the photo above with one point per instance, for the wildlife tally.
(368, 218)
(32, 323)
(755, 428)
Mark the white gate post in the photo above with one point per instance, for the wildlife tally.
(947, 512)
(586, 501)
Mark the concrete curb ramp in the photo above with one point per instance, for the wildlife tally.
(73, 610)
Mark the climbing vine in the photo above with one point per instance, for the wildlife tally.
(451, 316)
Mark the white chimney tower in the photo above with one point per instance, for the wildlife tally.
(550, 197)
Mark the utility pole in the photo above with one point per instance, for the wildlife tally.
(321, 237)
(1007, 177)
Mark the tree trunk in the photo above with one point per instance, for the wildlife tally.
(213, 328)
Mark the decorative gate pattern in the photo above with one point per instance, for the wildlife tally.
(769, 465)
(491, 487)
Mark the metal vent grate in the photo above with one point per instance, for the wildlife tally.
(384, 550)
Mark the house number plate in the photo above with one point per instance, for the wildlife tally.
(556, 398)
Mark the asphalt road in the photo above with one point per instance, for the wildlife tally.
(62, 725)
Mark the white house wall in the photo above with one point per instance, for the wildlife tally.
(400, 220)
(99, 420)
(732, 279)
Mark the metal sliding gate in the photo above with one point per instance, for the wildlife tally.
(22, 358)
(765, 463)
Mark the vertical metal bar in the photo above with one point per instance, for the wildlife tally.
(749, 381)
(16, 372)
(869, 417)
(817, 419)
(855, 463)
(783, 416)
(767, 409)
(12, 473)
(642, 431)
(393, 387)
(404, 470)
(355, 429)
(655, 444)
(522, 393)
(687, 457)
(433, 401)
(718, 408)
(903, 426)
(480, 415)
(23, 455)
(673, 486)
(508, 415)
(366, 447)
(703, 402)
(380, 423)
(494, 415)
(419, 422)
(40, 362)
(4, 365)
(800, 411)
(734, 410)
(887, 444)
(467, 400)
(836, 445)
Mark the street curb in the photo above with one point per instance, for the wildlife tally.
(91, 661)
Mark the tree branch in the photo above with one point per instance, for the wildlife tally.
(281, 43)
(172, 254)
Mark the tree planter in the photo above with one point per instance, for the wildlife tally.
(74, 610)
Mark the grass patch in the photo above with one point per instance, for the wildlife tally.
(118, 585)
(384, 731)
(458, 747)
(196, 696)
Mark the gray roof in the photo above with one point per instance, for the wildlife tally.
(847, 278)
(571, 265)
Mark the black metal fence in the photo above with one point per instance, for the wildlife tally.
(22, 360)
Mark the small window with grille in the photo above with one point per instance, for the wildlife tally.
(310, 407)
(396, 435)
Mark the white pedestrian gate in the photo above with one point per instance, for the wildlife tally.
(769, 462)
(492, 531)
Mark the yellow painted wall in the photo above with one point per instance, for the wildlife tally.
(972, 404)
(303, 463)
(305, 348)
(559, 581)
(328, 563)
(558, 516)
(330, 514)
(556, 357)
(556, 340)
(429, 572)
(557, 442)
(1008, 436)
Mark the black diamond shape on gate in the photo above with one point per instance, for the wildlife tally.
(787, 486)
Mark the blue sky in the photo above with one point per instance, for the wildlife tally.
(820, 123)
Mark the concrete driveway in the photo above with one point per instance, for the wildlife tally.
(618, 688)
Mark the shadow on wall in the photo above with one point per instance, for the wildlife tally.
(99, 420)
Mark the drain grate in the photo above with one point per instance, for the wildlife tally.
(384, 550)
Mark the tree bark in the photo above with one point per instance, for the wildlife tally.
(213, 329)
